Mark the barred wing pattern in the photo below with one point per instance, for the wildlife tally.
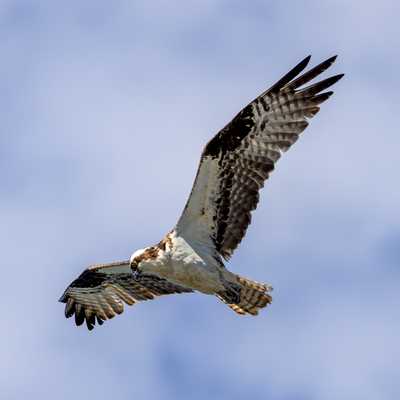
(100, 292)
(237, 161)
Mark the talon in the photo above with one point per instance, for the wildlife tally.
(136, 273)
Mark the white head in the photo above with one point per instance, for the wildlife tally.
(136, 254)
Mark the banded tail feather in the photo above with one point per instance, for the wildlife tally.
(252, 296)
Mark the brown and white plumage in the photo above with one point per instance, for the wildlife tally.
(100, 292)
(237, 161)
(233, 168)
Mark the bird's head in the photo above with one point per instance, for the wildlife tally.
(135, 258)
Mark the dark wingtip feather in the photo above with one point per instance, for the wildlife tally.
(311, 74)
(330, 60)
(63, 298)
(306, 60)
(330, 81)
(289, 76)
(69, 308)
(338, 77)
(89, 324)
(320, 86)
(79, 315)
(90, 320)
(320, 98)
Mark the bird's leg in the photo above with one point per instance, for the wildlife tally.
(135, 271)
(136, 274)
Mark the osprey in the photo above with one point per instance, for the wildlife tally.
(233, 168)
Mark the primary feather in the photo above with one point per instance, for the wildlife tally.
(100, 292)
(237, 161)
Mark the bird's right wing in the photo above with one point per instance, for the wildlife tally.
(238, 160)
(100, 292)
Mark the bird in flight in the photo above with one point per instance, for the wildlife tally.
(233, 168)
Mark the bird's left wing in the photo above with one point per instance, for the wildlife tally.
(237, 161)
(100, 292)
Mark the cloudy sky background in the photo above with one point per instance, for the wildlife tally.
(104, 109)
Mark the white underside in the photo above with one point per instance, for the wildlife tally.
(185, 264)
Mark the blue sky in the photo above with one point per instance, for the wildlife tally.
(104, 110)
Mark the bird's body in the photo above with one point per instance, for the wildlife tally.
(233, 168)
(186, 264)
(177, 261)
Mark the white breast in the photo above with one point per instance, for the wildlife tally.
(182, 264)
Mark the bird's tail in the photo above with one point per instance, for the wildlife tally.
(246, 296)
